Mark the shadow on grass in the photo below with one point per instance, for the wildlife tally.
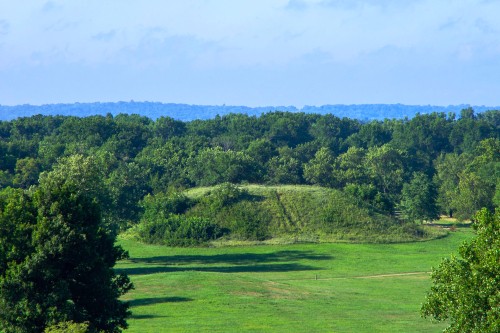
(139, 317)
(281, 261)
(157, 300)
(233, 259)
(142, 316)
(217, 269)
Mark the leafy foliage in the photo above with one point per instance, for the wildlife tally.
(214, 166)
(163, 222)
(68, 327)
(418, 201)
(466, 290)
(59, 258)
(137, 156)
(178, 230)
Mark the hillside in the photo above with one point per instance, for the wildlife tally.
(228, 213)
(186, 112)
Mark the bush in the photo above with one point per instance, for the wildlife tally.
(164, 204)
(68, 327)
(234, 209)
(178, 230)
(226, 194)
(246, 220)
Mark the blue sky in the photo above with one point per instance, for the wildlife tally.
(250, 52)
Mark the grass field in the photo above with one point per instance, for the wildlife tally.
(285, 288)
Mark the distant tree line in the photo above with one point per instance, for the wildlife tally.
(189, 112)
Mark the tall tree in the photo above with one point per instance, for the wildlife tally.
(385, 166)
(418, 199)
(352, 166)
(285, 168)
(319, 170)
(479, 180)
(214, 166)
(64, 271)
(465, 289)
(449, 167)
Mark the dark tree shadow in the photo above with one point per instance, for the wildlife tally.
(281, 261)
(133, 316)
(233, 259)
(217, 269)
(157, 300)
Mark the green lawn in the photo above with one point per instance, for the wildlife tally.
(286, 288)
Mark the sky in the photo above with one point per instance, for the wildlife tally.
(250, 52)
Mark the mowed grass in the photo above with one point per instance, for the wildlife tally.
(284, 288)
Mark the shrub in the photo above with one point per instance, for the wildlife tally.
(221, 196)
(246, 220)
(178, 230)
(68, 327)
(164, 204)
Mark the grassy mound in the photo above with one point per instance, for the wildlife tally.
(229, 214)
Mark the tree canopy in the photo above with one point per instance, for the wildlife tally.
(57, 256)
(466, 289)
(138, 156)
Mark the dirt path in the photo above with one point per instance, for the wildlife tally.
(388, 275)
(378, 276)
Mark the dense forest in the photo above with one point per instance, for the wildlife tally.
(408, 170)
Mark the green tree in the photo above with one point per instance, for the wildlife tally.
(166, 128)
(215, 165)
(68, 327)
(331, 131)
(284, 169)
(479, 180)
(319, 170)
(352, 166)
(418, 199)
(372, 134)
(165, 164)
(261, 150)
(468, 131)
(63, 270)
(466, 290)
(126, 185)
(424, 137)
(5, 178)
(385, 166)
(473, 193)
(17, 220)
(26, 172)
(449, 167)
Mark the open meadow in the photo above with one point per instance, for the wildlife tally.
(284, 288)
